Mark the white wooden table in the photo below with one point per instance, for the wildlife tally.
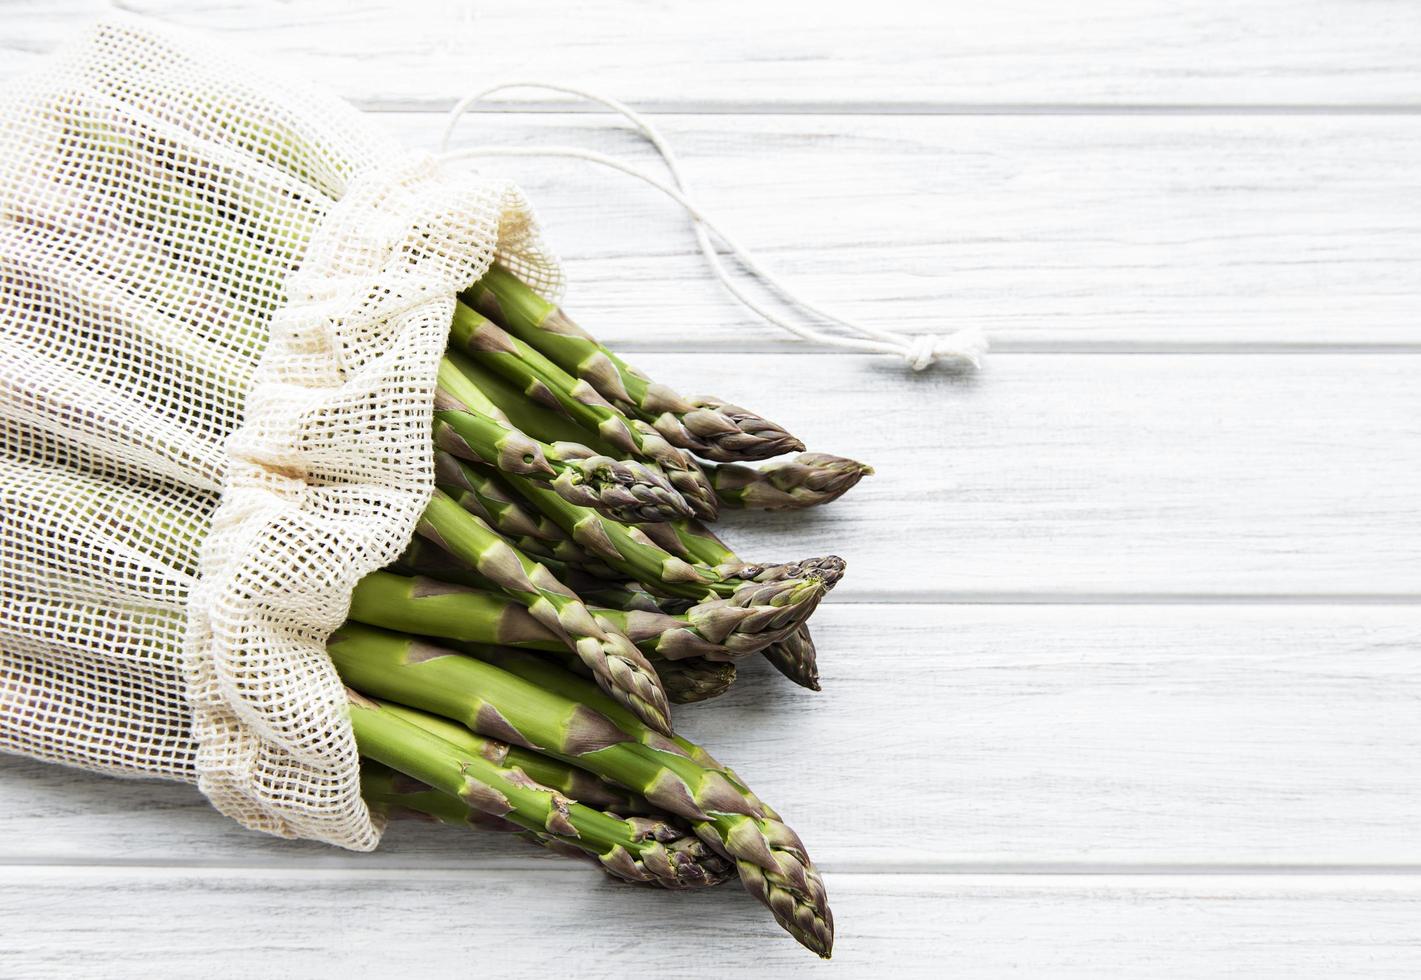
(1125, 679)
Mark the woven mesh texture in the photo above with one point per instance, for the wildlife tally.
(223, 297)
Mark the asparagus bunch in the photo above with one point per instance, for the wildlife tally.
(471, 772)
(723, 813)
(607, 652)
(513, 670)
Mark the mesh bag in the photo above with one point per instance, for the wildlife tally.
(223, 297)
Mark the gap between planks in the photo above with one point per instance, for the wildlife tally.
(1123, 348)
(1400, 600)
(343, 864)
(443, 105)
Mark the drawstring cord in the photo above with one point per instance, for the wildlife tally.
(918, 351)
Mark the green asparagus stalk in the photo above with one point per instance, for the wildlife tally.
(681, 471)
(391, 793)
(565, 560)
(702, 544)
(448, 610)
(467, 425)
(574, 783)
(531, 417)
(556, 680)
(705, 426)
(685, 681)
(808, 480)
(793, 654)
(626, 849)
(714, 630)
(771, 860)
(613, 659)
(537, 419)
(499, 374)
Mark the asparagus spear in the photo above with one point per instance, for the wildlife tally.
(565, 560)
(554, 679)
(577, 784)
(771, 860)
(707, 427)
(530, 409)
(467, 425)
(618, 666)
(391, 793)
(793, 655)
(808, 480)
(534, 418)
(713, 630)
(695, 678)
(683, 472)
(627, 849)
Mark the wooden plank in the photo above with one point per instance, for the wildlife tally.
(896, 53)
(1048, 232)
(962, 738)
(61, 922)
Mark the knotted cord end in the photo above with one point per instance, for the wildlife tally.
(928, 349)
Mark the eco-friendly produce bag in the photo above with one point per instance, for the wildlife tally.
(225, 293)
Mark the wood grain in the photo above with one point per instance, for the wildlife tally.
(899, 54)
(261, 924)
(1048, 232)
(963, 738)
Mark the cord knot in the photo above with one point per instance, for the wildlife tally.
(925, 350)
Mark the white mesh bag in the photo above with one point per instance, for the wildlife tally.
(223, 297)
